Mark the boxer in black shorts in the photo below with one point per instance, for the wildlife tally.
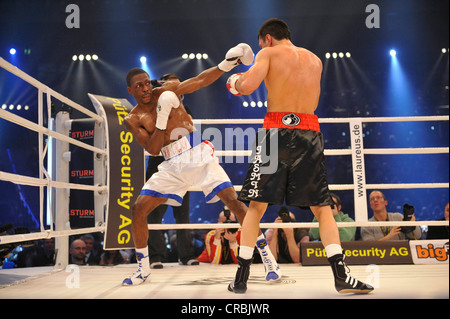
(300, 178)
(295, 171)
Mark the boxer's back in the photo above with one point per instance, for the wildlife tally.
(293, 80)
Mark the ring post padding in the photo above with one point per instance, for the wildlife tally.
(126, 171)
(358, 169)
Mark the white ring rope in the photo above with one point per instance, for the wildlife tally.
(44, 180)
(35, 127)
(19, 73)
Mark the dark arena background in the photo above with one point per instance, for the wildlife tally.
(381, 58)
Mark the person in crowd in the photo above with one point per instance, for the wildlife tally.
(439, 232)
(345, 233)
(378, 204)
(285, 242)
(222, 244)
(77, 252)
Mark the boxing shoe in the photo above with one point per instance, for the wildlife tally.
(344, 283)
(140, 275)
(271, 267)
(239, 284)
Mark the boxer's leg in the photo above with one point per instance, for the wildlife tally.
(329, 235)
(229, 198)
(142, 207)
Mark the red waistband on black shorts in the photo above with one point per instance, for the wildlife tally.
(291, 120)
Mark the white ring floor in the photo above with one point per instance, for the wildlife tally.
(210, 282)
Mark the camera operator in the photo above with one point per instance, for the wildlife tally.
(222, 244)
(285, 242)
(378, 205)
(345, 233)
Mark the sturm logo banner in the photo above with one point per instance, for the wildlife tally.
(81, 171)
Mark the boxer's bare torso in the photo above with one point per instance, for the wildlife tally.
(291, 75)
(141, 121)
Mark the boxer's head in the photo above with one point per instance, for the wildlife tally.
(273, 29)
(139, 85)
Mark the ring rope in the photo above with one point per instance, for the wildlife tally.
(42, 87)
(334, 152)
(35, 127)
(62, 233)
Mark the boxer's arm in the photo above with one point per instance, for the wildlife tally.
(249, 81)
(202, 80)
(151, 143)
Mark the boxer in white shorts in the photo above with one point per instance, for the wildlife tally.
(161, 124)
(194, 166)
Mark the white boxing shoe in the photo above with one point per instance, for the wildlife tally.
(140, 275)
(271, 267)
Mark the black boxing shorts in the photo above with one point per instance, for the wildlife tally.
(287, 164)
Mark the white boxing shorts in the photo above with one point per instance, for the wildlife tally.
(197, 167)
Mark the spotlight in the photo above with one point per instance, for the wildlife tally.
(327, 55)
(81, 57)
(205, 56)
(444, 50)
(393, 53)
(95, 57)
(244, 104)
(185, 56)
(260, 104)
(143, 59)
(74, 58)
(341, 55)
(198, 56)
(12, 51)
(11, 107)
(348, 55)
(252, 103)
(26, 107)
(4, 106)
(192, 56)
(88, 57)
(334, 55)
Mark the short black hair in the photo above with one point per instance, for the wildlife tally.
(336, 199)
(133, 72)
(277, 28)
(168, 76)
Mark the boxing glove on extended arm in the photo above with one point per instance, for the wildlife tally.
(242, 53)
(166, 102)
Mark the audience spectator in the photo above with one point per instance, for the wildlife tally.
(92, 251)
(345, 233)
(77, 252)
(114, 257)
(439, 232)
(285, 242)
(38, 255)
(222, 244)
(378, 205)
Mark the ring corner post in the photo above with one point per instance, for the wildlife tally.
(358, 170)
(61, 213)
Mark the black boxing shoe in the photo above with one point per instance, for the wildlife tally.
(239, 284)
(344, 283)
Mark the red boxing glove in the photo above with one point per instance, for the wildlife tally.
(231, 84)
